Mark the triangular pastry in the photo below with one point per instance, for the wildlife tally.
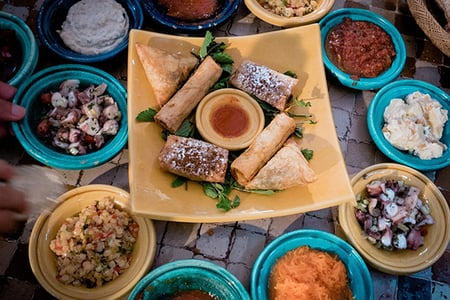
(165, 71)
(286, 169)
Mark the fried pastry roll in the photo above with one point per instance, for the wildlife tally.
(286, 169)
(265, 145)
(178, 108)
(268, 85)
(165, 71)
(194, 159)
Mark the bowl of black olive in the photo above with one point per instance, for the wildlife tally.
(19, 50)
(362, 49)
(76, 116)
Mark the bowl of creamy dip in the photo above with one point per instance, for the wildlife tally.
(86, 31)
(408, 121)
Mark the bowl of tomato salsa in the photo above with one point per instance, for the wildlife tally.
(362, 49)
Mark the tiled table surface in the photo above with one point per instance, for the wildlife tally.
(236, 245)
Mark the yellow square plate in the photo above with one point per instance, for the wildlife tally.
(298, 50)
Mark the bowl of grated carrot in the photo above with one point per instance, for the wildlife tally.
(312, 262)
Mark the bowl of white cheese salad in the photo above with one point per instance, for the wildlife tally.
(408, 121)
(87, 31)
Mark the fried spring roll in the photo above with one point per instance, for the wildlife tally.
(194, 159)
(265, 145)
(178, 108)
(268, 85)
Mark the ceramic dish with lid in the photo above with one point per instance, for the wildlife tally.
(52, 15)
(399, 262)
(335, 18)
(49, 80)
(189, 275)
(357, 273)
(43, 260)
(323, 7)
(27, 52)
(375, 122)
(181, 16)
(229, 118)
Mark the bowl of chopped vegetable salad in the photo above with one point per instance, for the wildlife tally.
(399, 221)
(91, 246)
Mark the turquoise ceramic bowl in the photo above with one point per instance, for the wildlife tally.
(49, 79)
(357, 14)
(375, 122)
(28, 45)
(357, 272)
(189, 274)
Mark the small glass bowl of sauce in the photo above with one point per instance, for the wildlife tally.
(229, 118)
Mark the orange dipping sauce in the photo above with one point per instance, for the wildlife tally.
(230, 120)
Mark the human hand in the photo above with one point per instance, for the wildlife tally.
(8, 111)
(12, 202)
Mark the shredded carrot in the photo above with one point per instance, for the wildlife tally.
(305, 273)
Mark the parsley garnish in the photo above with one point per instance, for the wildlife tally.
(217, 51)
(147, 115)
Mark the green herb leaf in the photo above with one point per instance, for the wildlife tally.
(291, 74)
(209, 38)
(222, 58)
(302, 103)
(186, 129)
(179, 181)
(209, 190)
(147, 115)
(308, 153)
(226, 203)
(298, 132)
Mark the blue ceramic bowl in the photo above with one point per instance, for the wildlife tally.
(49, 79)
(357, 272)
(28, 45)
(336, 17)
(158, 14)
(189, 274)
(375, 122)
(52, 15)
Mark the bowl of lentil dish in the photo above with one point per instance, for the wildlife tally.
(76, 116)
(91, 246)
(289, 13)
(362, 49)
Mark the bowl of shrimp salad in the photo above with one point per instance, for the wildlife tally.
(91, 246)
(76, 116)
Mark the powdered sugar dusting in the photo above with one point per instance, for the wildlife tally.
(266, 84)
(194, 159)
